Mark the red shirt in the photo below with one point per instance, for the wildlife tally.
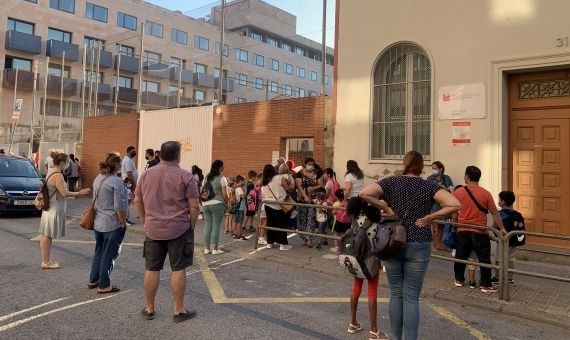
(469, 213)
(165, 190)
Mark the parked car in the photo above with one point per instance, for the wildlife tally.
(19, 184)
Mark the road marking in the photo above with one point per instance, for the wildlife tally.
(458, 322)
(6, 317)
(214, 287)
(41, 315)
(37, 238)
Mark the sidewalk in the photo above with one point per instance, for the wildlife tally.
(531, 298)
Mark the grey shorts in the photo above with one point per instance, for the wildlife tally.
(180, 252)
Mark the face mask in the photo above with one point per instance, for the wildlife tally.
(310, 167)
(435, 172)
(129, 185)
(133, 154)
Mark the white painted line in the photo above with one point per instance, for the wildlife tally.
(86, 242)
(6, 317)
(258, 249)
(291, 235)
(214, 268)
(41, 315)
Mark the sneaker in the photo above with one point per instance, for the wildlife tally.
(130, 223)
(262, 241)
(207, 251)
(335, 249)
(269, 245)
(217, 252)
(490, 289)
(511, 282)
(494, 280)
(472, 285)
(319, 247)
(285, 247)
(458, 283)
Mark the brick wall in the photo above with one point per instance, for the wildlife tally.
(245, 135)
(105, 134)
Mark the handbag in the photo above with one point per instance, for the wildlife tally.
(88, 219)
(287, 205)
(449, 237)
(391, 236)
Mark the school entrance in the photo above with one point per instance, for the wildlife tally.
(539, 149)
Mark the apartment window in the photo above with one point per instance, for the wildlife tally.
(239, 100)
(20, 26)
(55, 70)
(286, 47)
(93, 42)
(288, 68)
(241, 79)
(256, 36)
(151, 57)
(313, 75)
(150, 86)
(55, 34)
(288, 90)
(258, 83)
(201, 43)
(95, 12)
(273, 42)
(273, 64)
(313, 94)
(154, 29)
(173, 90)
(300, 92)
(126, 21)
(299, 50)
(126, 51)
(18, 63)
(32, 1)
(126, 82)
(300, 72)
(241, 54)
(178, 62)
(200, 68)
(258, 60)
(179, 36)
(273, 86)
(63, 5)
(401, 116)
(226, 49)
(93, 77)
(327, 80)
(199, 95)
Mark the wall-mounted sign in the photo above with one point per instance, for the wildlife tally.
(461, 133)
(17, 110)
(462, 101)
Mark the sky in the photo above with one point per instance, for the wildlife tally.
(308, 13)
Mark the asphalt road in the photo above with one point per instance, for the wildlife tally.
(236, 298)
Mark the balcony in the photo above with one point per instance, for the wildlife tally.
(23, 42)
(128, 64)
(202, 79)
(103, 91)
(55, 48)
(127, 95)
(227, 84)
(157, 71)
(154, 99)
(25, 80)
(173, 101)
(105, 61)
(54, 86)
(187, 77)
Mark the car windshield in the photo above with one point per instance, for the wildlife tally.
(10, 167)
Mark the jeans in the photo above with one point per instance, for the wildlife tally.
(107, 250)
(481, 243)
(406, 275)
(213, 216)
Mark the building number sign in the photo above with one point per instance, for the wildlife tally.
(562, 42)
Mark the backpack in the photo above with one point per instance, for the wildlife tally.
(207, 192)
(252, 200)
(341, 215)
(40, 202)
(514, 221)
(356, 255)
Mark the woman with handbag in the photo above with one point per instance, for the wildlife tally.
(439, 177)
(274, 187)
(411, 198)
(52, 224)
(110, 203)
(307, 181)
(217, 186)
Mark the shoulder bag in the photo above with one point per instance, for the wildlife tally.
(479, 206)
(88, 219)
(40, 202)
(287, 206)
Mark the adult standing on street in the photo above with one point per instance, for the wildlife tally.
(214, 208)
(353, 180)
(150, 160)
(73, 172)
(167, 200)
(411, 198)
(443, 181)
(307, 182)
(111, 203)
(129, 170)
(275, 188)
(52, 224)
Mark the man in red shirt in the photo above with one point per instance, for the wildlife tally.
(476, 203)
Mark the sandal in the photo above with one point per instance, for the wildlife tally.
(184, 316)
(378, 335)
(114, 289)
(93, 285)
(51, 265)
(147, 315)
(352, 329)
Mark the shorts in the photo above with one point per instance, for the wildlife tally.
(322, 226)
(495, 252)
(262, 213)
(239, 216)
(180, 252)
(250, 213)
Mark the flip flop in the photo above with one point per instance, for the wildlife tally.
(51, 265)
(93, 285)
(114, 289)
(147, 315)
(184, 316)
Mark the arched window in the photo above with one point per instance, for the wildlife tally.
(401, 116)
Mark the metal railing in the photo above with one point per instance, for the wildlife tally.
(503, 249)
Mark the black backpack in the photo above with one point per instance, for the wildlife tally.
(207, 192)
(357, 258)
(514, 221)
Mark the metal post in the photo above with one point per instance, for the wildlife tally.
(13, 106)
(222, 28)
(139, 94)
(505, 271)
(324, 49)
(117, 80)
(84, 73)
(97, 79)
(179, 94)
(91, 71)
(61, 97)
(33, 106)
(500, 255)
(45, 100)
(267, 90)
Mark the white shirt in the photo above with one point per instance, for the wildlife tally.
(223, 183)
(128, 165)
(357, 185)
(274, 191)
(49, 162)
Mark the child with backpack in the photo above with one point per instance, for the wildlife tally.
(512, 220)
(322, 215)
(251, 207)
(262, 215)
(238, 207)
(341, 221)
(229, 218)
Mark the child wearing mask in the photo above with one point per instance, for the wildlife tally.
(322, 215)
(229, 217)
(238, 207)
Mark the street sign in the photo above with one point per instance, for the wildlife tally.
(17, 110)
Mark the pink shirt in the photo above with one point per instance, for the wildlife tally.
(165, 190)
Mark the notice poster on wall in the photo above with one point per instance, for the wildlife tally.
(461, 133)
(462, 101)
(274, 157)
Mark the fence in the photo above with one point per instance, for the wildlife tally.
(503, 248)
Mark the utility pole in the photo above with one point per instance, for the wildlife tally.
(45, 100)
(97, 79)
(14, 122)
(139, 94)
(324, 50)
(33, 106)
(84, 73)
(222, 28)
(117, 80)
